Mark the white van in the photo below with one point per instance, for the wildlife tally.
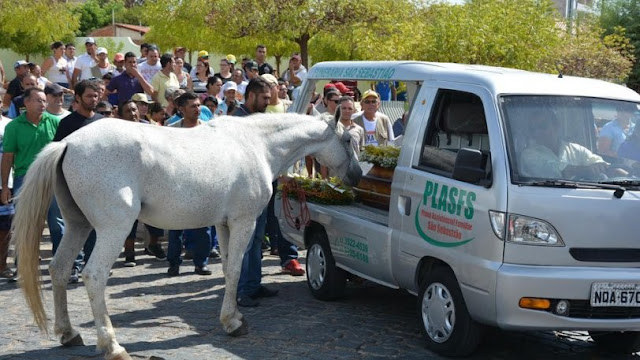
(503, 211)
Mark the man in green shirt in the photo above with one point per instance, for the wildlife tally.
(24, 137)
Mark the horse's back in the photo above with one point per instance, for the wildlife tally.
(160, 172)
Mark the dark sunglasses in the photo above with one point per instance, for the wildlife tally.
(105, 112)
(370, 101)
(335, 101)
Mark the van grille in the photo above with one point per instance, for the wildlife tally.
(605, 255)
(582, 309)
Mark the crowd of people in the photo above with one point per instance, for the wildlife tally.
(163, 90)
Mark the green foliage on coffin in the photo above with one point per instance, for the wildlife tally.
(322, 191)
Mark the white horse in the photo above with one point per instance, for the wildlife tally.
(108, 174)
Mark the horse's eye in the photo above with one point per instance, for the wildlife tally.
(348, 140)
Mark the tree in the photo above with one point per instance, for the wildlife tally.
(30, 28)
(177, 22)
(586, 52)
(518, 34)
(95, 14)
(626, 14)
(231, 21)
(382, 38)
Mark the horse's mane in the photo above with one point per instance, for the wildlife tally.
(270, 123)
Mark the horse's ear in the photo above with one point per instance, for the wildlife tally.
(329, 119)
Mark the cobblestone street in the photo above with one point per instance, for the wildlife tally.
(157, 317)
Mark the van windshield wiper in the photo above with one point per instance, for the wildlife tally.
(618, 190)
(622, 182)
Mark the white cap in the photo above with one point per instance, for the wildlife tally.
(101, 50)
(229, 85)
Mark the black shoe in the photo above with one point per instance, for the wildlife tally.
(246, 301)
(155, 250)
(215, 254)
(202, 270)
(129, 259)
(174, 270)
(74, 278)
(265, 292)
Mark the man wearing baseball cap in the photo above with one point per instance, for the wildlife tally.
(85, 62)
(296, 73)
(251, 69)
(229, 102)
(102, 65)
(377, 126)
(118, 62)
(15, 86)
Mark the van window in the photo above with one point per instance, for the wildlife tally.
(457, 121)
(571, 138)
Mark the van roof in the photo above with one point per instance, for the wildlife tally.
(498, 80)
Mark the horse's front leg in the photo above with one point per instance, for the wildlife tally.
(240, 232)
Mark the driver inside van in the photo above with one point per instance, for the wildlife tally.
(550, 157)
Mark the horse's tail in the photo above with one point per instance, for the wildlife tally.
(31, 210)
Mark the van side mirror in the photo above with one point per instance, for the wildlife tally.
(471, 167)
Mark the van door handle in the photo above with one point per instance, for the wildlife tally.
(404, 205)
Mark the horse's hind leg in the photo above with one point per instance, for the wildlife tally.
(223, 242)
(60, 268)
(95, 275)
(240, 232)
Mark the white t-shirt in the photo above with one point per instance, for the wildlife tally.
(369, 132)
(84, 63)
(71, 64)
(148, 71)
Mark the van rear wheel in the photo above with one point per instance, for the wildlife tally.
(449, 329)
(617, 342)
(325, 280)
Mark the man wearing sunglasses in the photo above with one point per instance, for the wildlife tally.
(329, 102)
(377, 126)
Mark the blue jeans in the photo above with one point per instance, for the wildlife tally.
(286, 250)
(201, 245)
(251, 275)
(54, 220)
(211, 231)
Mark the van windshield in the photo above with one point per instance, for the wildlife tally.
(576, 139)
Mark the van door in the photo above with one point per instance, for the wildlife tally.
(448, 219)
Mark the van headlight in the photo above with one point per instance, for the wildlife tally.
(531, 231)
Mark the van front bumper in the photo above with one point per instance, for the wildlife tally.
(558, 283)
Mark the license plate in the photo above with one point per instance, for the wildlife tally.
(615, 294)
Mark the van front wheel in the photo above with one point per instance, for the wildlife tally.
(449, 329)
(617, 342)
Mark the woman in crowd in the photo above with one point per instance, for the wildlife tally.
(54, 67)
(183, 77)
(202, 76)
(214, 87)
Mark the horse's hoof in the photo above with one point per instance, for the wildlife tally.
(120, 356)
(76, 341)
(242, 330)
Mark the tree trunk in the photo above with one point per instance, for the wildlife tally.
(278, 62)
(303, 41)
